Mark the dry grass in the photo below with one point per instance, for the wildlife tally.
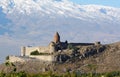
(106, 61)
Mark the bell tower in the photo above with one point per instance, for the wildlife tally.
(56, 38)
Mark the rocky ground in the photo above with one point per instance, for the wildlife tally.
(94, 58)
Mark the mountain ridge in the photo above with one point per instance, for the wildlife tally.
(33, 22)
(51, 6)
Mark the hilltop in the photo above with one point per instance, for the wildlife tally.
(106, 59)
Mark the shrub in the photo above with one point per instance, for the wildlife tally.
(67, 74)
(7, 58)
(34, 53)
(70, 46)
(37, 53)
(7, 63)
(2, 74)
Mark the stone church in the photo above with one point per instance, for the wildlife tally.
(54, 46)
(46, 53)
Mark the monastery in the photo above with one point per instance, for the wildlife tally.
(46, 53)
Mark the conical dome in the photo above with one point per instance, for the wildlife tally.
(57, 37)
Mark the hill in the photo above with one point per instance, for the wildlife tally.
(107, 59)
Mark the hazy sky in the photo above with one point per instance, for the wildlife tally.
(113, 3)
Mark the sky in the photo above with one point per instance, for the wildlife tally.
(21, 28)
(113, 3)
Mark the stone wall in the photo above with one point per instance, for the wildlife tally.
(49, 58)
(26, 51)
(81, 44)
(16, 59)
(42, 58)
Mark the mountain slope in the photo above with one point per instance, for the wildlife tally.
(60, 7)
(32, 16)
(33, 22)
(106, 60)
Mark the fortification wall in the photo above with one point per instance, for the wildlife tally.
(81, 44)
(43, 50)
(49, 58)
(16, 59)
(44, 58)
(85, 44)
(26, 51)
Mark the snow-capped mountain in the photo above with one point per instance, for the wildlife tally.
(34, 22)
(58, 7)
